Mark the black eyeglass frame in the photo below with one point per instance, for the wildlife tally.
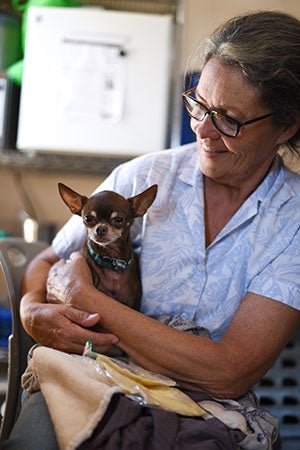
(187, 95)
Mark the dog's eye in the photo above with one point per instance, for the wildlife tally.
(88, 218)
(118, 219)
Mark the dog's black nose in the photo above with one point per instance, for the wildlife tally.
(101, 230)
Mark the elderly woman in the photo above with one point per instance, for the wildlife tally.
(220, 246)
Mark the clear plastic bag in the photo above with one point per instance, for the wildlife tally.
(148, 388)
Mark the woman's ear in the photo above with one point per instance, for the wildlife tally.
(289, 132)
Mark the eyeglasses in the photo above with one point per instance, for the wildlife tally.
(223, 123)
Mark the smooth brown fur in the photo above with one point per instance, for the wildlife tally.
(108, 217)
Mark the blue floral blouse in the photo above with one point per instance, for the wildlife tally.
(257, 251)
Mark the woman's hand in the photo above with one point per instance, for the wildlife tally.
(66, 278)
(61, 326)
(65, 328)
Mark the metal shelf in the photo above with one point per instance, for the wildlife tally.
(59, 162)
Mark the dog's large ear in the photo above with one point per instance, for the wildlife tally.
(141, 202)
(72, 199)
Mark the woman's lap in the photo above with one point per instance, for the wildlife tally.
(33, 430)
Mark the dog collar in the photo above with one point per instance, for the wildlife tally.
(110, 263)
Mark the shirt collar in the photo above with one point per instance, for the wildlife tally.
(191, 170)
(266, 185)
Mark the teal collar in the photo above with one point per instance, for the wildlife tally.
(110, 263)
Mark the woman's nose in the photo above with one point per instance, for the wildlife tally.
(205, 128)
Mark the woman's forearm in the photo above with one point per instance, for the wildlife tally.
(56, 325)
(34, 285)
(194, 361)
(227, 368)
(34, 279)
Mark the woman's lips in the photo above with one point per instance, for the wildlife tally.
(213, 152)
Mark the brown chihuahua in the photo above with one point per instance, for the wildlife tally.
(108, 217)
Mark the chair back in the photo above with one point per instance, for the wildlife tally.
(15, 254)
(279, 393)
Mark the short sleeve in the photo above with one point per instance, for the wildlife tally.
(280, 280)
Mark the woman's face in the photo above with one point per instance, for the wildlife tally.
(244, 159)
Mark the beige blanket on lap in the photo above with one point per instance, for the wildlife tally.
(75, 396)
(78, 389)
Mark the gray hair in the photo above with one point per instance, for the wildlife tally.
(265, 45)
